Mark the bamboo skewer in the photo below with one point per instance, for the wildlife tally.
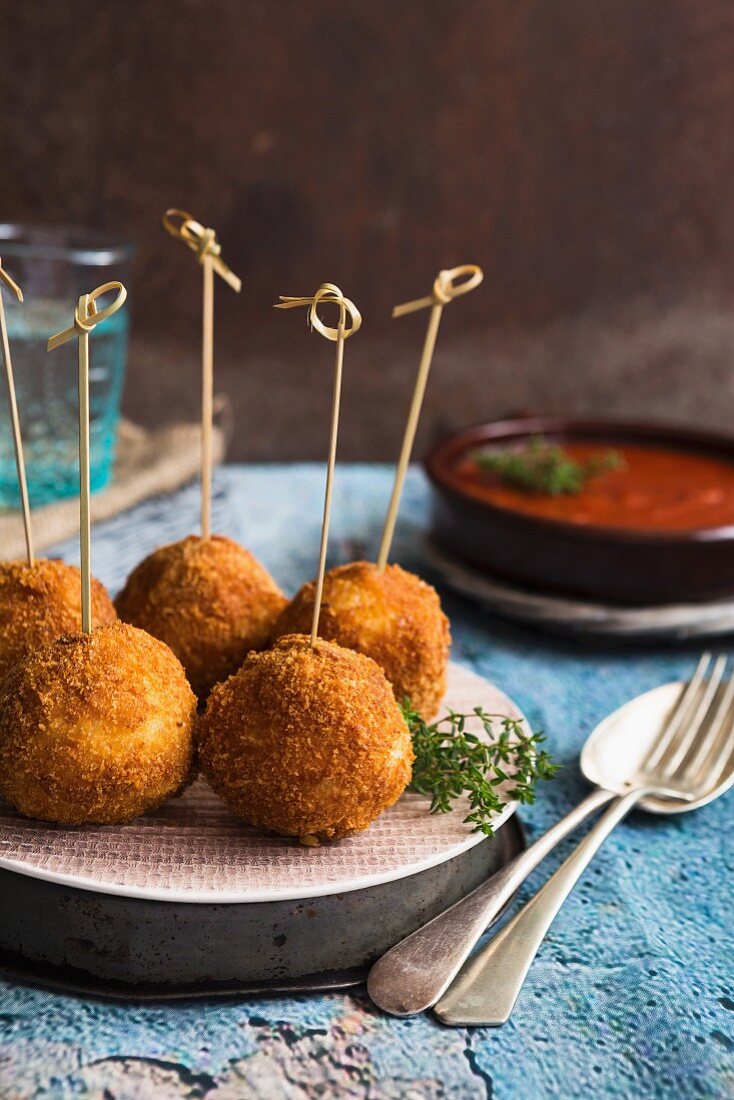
(204, 243)
(328, 292)
(207, 396)
(86, 317)
(326, 519)
(445, 289)
(12, 401)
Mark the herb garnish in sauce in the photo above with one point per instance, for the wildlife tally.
(543, 467)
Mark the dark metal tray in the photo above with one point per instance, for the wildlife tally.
(107, 945)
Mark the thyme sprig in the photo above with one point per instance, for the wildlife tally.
(543, 467)
(451, 761)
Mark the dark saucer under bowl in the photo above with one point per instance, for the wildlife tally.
(622, 565)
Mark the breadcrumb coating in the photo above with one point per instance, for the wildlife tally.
(96, 728)
(306, 741)
(392, 616)
(41, 602)
(210, 600)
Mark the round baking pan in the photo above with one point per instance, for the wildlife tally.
(189, 899)
(117, 946)
(644, 568)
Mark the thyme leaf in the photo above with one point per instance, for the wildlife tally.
(543, 467)
(451, 761)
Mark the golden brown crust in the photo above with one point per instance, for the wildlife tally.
(210, 600)
(39, 603)
(392, 616)
(96, 728)
(306, 742)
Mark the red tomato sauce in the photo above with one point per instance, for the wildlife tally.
(655, 490)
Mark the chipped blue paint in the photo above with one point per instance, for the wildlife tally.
(631, 995)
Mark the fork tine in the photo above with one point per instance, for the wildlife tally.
(671, 760)
(724, 760)
(676, 719)
(702, 760)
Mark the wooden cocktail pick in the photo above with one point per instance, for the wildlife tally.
(445, 289)
(204, 243)
(328, 293)
(86, 317)
(17, 439)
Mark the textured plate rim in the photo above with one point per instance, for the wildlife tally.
(220, 897)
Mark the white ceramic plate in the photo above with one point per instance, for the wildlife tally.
(194, 850)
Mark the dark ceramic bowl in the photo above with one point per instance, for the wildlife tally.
(593, 562)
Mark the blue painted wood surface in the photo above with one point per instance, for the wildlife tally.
(632, 994)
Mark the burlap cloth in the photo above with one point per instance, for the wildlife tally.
(147, 463)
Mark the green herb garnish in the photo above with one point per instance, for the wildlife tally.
(543, 467)
(450, 761)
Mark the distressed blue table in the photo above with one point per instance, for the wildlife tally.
(631, 995)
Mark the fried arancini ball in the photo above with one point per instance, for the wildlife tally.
(39, 603)
(210, 600)
(96, 728)
(391, 616)
(306, 741)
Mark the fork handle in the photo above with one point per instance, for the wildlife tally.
(411, 976)
(487, 988)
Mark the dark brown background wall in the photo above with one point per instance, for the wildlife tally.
(582, 151)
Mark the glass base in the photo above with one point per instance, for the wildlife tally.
(47, 393)
(52, 481)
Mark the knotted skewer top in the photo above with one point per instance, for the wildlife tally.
(10, 283)
(202, 241)
(327, 292)
(446, 287)
(86, 314)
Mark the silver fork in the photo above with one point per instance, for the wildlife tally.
(415, 973)
(690, 763)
